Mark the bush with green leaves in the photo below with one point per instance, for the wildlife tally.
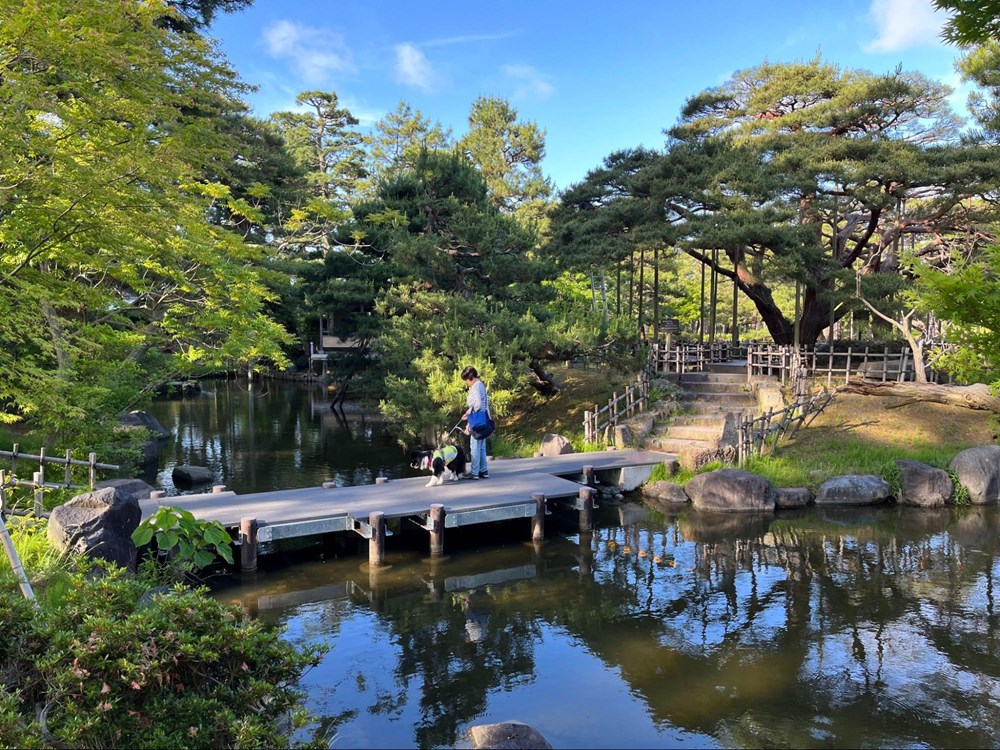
(187, 544)
(109, 668)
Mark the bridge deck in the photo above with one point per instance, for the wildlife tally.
(506, 494)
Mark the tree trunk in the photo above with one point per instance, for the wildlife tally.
(976, 396)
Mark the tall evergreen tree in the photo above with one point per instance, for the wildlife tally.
(508, 154)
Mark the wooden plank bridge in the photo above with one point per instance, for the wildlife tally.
(517, 488)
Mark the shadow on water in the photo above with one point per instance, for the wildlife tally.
(806, 629)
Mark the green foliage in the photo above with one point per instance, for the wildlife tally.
(960, 493)
(508, 155)
(967, 295)
(176, 670)
(970, 21)
(659, 474)
(112, 274)
(187, 544)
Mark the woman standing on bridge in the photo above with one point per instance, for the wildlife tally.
(477, 400)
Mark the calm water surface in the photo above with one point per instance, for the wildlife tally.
(863, 628)
(275, 435)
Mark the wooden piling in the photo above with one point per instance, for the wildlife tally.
(248, 544)
(587, 511)
(538, 522)
(588, 476)
(436, 521)
(39, 480)
(376, 545)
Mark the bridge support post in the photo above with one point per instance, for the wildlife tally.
(376, 545)
(436, 518)
(248, 544)
(588, 476)
(586, 510)
(538, 522)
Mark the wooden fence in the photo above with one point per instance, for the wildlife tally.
(834, 365)
(38, 481)
(681, 358)
(767, 429)
(602, 420)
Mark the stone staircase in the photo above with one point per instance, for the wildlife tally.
(704, 428)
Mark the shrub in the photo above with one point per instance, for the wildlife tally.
(113, 669)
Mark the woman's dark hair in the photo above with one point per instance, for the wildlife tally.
(469, 373)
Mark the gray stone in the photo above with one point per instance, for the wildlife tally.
(922, 485)
(555, 445)
(864, 489)
(192, 475)
(128, 488)
(623, 436)
(978, 470)
(98, 524)
(665, 492)
(509, 735)
(147, 421)
(791, 497)
(729, 491)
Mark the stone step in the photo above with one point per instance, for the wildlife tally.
(713, 387)
(707, 408)
(695, 432)
(721, 399)
(684, 445)
(712, 418)
(712, 377)
(737, 366)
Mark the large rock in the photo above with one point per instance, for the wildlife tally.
(187, 475)
(509, 735)
(149, 450)
(978, 470)
(664, 492)
(863, 489)
(922, 485)
(791, 497)
(98, 524)
(730, 490)
(132, 489)
(555, 445)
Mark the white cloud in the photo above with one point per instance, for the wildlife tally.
(528, 82)
(414, 69)
(315, 52)
(904, 23)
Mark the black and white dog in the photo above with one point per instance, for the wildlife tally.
(445, 464)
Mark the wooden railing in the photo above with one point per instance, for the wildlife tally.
(602, 420)
(834, 365)
(767, 429)
(38, 481)
(681, 358)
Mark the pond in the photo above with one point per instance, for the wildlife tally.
(859, 628)
(273, 435)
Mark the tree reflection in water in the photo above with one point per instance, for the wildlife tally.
(866, 627)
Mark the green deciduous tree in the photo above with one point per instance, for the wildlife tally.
(109, 266)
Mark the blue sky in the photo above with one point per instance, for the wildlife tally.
(597, 76)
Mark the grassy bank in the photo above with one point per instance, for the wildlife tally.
(854, 434)
(866, 434)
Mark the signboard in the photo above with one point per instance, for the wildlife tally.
(670, 325)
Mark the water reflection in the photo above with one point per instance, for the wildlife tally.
(802, 630)
(275, 435)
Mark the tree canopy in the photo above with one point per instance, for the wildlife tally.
(109, 266)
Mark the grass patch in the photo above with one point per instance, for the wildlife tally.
(866, 434)
(532, 416)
